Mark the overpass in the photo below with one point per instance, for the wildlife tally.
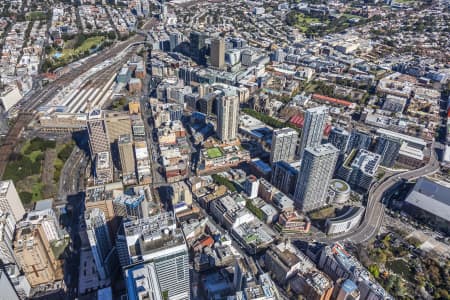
(375, 208)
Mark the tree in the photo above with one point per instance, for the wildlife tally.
(111, 35)
(291, 18)
(381, 256)
(374, 270)
(223, 181)
(26, 197)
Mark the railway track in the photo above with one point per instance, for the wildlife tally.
(44, 95)
(41, 96)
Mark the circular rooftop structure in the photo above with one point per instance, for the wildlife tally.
(341, 191)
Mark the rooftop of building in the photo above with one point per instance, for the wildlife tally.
(318, 109)
(350, 213)
(431, 197)
(404, 137)
(349, 286)
(254, 234)
(323, 149)
(154, 233)
(125, 139)
(262, 166)
(4, 186)
(130, 200)
(103, 192)
(282, 201)
(319, 281)
(366, 161)
(156, 241)
(339, 185)
(340, 130)
(141, 283)
(95, 114)
(102, 161)
(285, 132)
(43, 204)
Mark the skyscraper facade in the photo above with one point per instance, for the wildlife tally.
(315, 174)
(359, 140)
(284, 143)
(99, 240)
(10, 200)
(218, 53)
(339, 138)
(7, 224)
(228, 118)
(315, 121)
(175, 38)
(197, 46)
(388, 148)
(251, 186)
(284, 176)
(7, 288)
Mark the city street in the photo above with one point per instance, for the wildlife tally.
(157, 178)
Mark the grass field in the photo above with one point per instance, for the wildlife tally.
(303, 22)
(327, 212)
(214, 152)
(88, 44)
(37, 191)
(36, 15)
(400, 267)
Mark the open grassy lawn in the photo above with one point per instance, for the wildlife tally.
(400, 267)
(30, 188)
(37, 191)
(90, 42)
(327, 212)
(33, 156)
(302, 19)
(36, 15)
(68, 52)
(303, 22)
(214, 152)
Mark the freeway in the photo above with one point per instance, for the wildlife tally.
(375, 208)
